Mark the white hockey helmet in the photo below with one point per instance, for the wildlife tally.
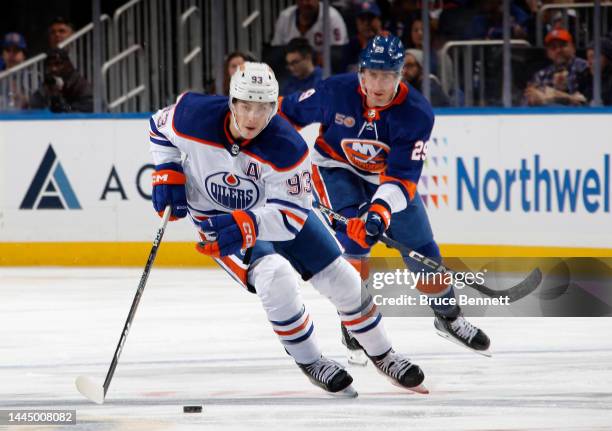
(254, 82)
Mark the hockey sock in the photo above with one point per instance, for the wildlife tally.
(340, 282)
(277, 287)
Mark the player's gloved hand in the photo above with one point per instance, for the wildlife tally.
(367, 233)
(169, 189)
(228, 233)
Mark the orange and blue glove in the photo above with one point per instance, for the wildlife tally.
(228, 233)
(169, 189)
(367, 233)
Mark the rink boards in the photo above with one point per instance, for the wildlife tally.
(77, 190)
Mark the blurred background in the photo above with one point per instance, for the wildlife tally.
(138, 55)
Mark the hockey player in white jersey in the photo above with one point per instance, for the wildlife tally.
(242, 175)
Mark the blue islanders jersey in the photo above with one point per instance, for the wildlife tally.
(270, 176)
(385, 145)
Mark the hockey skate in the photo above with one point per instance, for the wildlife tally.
(354, 351)
(460, 331)
(400, 371)
(330, 376)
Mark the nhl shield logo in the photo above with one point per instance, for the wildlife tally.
(366, 154)
(232, 191)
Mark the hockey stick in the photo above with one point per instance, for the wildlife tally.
(86, 385)
(513, 293)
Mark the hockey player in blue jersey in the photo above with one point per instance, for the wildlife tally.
(367, 161)
(243, 176)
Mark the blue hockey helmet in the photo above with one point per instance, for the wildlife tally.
(383, 53)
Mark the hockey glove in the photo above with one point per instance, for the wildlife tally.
(228, 233)
(169, 189)
(367, 233)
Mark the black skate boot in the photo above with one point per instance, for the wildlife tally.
(403, 373)
(329, 376)
(462, 332)
(354, 351)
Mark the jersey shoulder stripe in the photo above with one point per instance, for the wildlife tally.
(198, 117)
(201, 117)
(279, 145)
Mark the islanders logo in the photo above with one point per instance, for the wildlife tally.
(366, 154)
(232, 191)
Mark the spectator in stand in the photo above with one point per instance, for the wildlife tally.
(488, 23)
(299, 57)
(306, 20)
(60, 29)
(13, 96)
(606, 72)
(63, 89)
(13, 50)
(368, 25)
(551, 18)
(412, 73)
(436, 62)
(403, 12)
(454, 18)
(232, 62)
(561, 83)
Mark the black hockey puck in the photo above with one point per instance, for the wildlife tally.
(192, 409)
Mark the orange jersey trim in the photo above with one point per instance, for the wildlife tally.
(320, 141)
(193, 138)
(249, 153)
(320, 186)
(293, 217)
(409, 186)
(239, 272)
(273, 166)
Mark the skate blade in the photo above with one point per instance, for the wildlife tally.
(356, 357)
(420, 389)
(348, 392)
(448, 337)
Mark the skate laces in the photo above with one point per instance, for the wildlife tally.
(464, 329)
(394, 365)
(323, 370)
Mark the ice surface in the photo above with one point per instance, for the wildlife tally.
(200, 339)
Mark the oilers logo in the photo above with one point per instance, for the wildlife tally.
(231, 191)
(366, 154)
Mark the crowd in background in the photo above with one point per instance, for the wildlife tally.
(62, 89)
(298, 36)
(567, 80)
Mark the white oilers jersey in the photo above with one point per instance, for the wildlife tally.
(269, 176)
